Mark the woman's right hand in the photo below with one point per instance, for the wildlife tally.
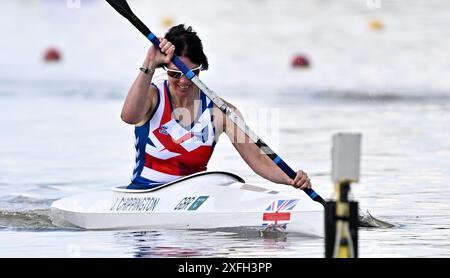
(156, 57)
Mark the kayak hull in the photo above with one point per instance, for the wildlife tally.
(204, 200)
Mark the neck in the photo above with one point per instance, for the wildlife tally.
(184, 101)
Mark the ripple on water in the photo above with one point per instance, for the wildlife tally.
(24, 212)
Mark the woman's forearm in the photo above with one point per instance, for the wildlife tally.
(260, 163)
(267, 169)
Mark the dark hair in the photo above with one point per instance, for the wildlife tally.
(188, 44)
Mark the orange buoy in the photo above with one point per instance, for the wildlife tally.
(300, 61)
(167, 21)
(376, 25)
(52, 55)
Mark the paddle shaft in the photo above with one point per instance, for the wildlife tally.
(122, 7)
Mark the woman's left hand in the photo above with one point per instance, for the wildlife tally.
(301, 181)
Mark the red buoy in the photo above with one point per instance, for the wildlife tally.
(52, 55)
(300, 61)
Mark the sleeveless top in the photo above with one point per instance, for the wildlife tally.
(165, 150)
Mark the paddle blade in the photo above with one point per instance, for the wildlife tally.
(122, 7)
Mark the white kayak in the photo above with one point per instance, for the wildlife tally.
(204, 200)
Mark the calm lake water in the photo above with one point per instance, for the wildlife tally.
(61, 131)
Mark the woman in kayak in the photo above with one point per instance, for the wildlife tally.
(177, 126)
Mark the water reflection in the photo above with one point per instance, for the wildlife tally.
(227, 242)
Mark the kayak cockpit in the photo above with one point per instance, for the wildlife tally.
(215, 177)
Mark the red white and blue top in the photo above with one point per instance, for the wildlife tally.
(165, 150)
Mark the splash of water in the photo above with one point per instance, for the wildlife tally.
(26, 220)
(367, 220)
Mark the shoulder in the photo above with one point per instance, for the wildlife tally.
(154, 95)
(221, 119)
(218, 112)
(154, 102)
(229, 104)
(158, 85)
(233, 108)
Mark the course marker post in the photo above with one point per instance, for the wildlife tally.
(341, 216)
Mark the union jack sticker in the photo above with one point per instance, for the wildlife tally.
(278, 213)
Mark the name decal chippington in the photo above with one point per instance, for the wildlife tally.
(135, 204)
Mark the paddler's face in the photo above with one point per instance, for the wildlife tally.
(182, 86)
